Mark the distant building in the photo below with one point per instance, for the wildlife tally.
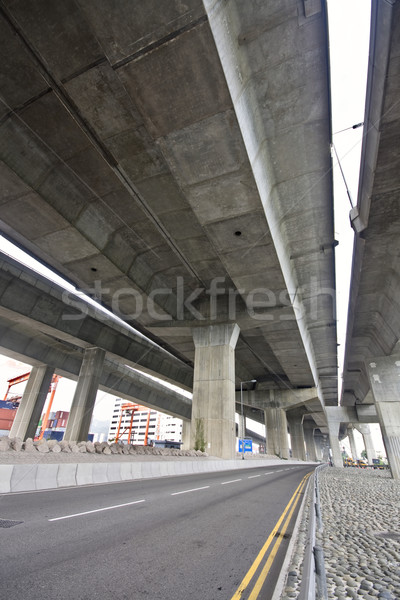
(160, 425)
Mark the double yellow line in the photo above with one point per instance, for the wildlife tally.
(280, 527)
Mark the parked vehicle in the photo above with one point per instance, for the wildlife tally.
(378, 463)
(349, 462)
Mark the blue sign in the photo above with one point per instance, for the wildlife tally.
(248, 445)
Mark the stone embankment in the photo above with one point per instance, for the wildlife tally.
(360, 537)
(14, 448)
(48, 465)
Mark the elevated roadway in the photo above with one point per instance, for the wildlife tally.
(176, 164)
(38, 325)
(372, 359)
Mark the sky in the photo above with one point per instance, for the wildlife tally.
(349, 40)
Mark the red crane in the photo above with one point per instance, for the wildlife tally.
(52, 389)
(130, 409)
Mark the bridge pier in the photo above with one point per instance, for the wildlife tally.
(213, 405)
(384, 373)
(186, 428)
(295, 420)
(308, 428)
(333, 418)
(368, 443)
(320, 443)
(84, 399)
(33, 399)
(350, 434)
(276, 432)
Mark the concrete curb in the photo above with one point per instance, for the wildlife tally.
(28, 477)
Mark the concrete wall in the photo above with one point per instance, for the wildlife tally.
(28, 477)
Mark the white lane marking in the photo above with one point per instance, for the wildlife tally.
(269, 473)
(253, 476)
(279, 471)
(89, 512)
(193, 490)
(232, 481)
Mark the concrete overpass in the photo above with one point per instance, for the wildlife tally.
(371, 370)
(176, 164)
(46, 339)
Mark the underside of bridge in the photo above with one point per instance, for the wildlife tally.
(372, 361)
(173, 161)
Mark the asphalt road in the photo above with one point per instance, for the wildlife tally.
(176, 538)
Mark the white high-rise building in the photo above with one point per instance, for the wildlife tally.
(160, 425)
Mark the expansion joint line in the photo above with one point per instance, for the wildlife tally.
(277, 534)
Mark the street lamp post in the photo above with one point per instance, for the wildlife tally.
(241, 409)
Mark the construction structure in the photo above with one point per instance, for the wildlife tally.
(10, 403)
(139, 425)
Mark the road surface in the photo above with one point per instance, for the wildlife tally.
(198, 537)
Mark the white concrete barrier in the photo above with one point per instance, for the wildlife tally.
(126, 471)
(99, 473)
(5, 478)
(136, 470)
(84, 473)
(46, 476)
(151, 469)
(113, 472)
(66, 476)
(22, 478)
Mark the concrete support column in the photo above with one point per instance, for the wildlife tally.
(308, 428)
(32, 402)
(213, 405)
(368, 442)
(384, 376)
(350, 434)
(297, 435)
(325, 451)
(333, 428)
(276, 432)
(81, 411)
(319, 441)
(186, 426)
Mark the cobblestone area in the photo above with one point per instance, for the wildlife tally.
(361, 536)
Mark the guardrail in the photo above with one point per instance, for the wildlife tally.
(313, 582)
